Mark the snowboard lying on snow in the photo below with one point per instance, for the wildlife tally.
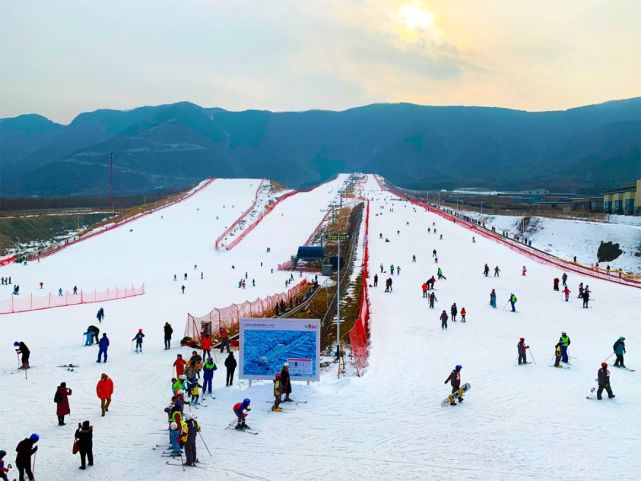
(448, 400)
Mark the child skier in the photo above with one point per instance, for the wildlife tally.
(513, 301)
(566, 291)
(521, 347)
(194, 391)
(455, 380)
(278, 392)
(138, 338)
(463, 314)
(432, 299)
(603, 378)
(439, 274)
(173, 438)
(239, 410)
(208, 376)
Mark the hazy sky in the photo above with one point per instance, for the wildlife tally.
(59, 58)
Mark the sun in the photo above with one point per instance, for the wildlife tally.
(416, 16)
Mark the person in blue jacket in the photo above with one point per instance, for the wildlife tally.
(138, 338)
(103, 345)
(208, 376)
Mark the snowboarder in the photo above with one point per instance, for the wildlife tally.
(168, 332)
(453, 312)
(193, 427)
(556, 284)
(278, 392)
(104, 390)
(25, 449)
(557, 355)
(619, 350)
(486, 270)
(375, 280)
(564, 278)
(520, 348)
(138, 338)
(463, 314)
(230, 364)
(240, 411)
(61, 399)
(566, 292)
(444, 319)
(455, 380)
(224, 336)
(100, 315)
(25, 353)
(84, 437)
(179, 364)
(208, 375)
(564, 340)
(496, 271)
(493, 299)
(512, 301)
(286, 382)
(103, 345)
(603, 378)
(432, 299)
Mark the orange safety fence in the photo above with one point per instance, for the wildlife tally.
(18, 303)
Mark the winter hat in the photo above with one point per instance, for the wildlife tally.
(622, 338)
(246, 401)
(85, 425)
(458, 367)
(2, 453)
(34, 437)
(286, 364)
(522, 339)
(604, 364)
(16, 343)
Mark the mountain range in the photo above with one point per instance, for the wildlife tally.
(583, 150)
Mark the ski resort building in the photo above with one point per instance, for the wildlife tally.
(624, 200)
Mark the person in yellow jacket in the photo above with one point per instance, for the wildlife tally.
(278, 392)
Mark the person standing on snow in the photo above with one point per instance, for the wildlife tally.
(286, 382)
(168, 332)
(463, 314)
(230, 364)
(104, 390)
(455, 380)
(100, 315)
(138, 338)
(103, 345)
(520, 348)
(523, 271)
(619, 350)
(496, 271)
(3, 470)
(444, 319)
(566, 292)
(179, 364)
(84, 436)
(278, 392)
(208, 376)
(61, 399)
(224, 336)
(454, 312)
(486, 270)
(24, 351)
(493, 299)
(586, 297)
(564, 278)
(439, 274)
(603, 378)
(564, 340)
(512, 301)
(432, 299)
(25, 449)
(205, 343)
(190, 446)
(424, 289)
(375, 280)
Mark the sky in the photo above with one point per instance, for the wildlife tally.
(60, 58)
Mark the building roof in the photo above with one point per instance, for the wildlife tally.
(622, 189)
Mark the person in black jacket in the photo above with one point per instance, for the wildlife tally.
(25, 449)
(190, 445)
(603, 378)
(24, 350)
(444, 319)
(230, 364)
(455, 380)
(168, 332)
(521, 347)
(286, 382)
(84, 436)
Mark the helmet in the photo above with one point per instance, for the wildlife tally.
(34, 437)
(622, 338)
(277, 375)
(246, 401)
(173, 425)
(2, 453)
(139, 330)
(522, 339)
(563, 333)
(286, 364)
(604, 364)
(16, 343)
(458, 367)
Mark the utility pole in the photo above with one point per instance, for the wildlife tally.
(111, 179)
(338, 238)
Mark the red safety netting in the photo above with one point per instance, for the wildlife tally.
(229, 317)
(359, 333)
(19, 303)
(48, 252)
(530, 252)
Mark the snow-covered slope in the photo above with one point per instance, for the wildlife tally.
(528, 422)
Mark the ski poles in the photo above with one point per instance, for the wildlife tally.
(18, 356)
(203, 440)
(33, 467)
(608, 357)
(533, 360)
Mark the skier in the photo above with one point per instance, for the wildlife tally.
(75, 290)
(173, 438)
(381, 267)
(523, 271)
(424, 289)
(25, 352)
(444, 320)
(496, 271)
(521, 347)
(60, 292)
(205, 343)
(61, 399)
(25, 449)
(104, 390)
(455, 380)
(434, 253)
(586, 297)
(193, 427)
(486, 270)
(439, 274)
(224, 336)
(239, 410)
(168, 332)
(179, 364)
(100, 315)
(398, 270)
(566, 291)
(182, 288)
(103, 345)
(138, 338)
(185, 278)
(95, 332)
(463, 314)
(454, 312)
(432, 299)
(557, 355)
(556, 284)
(564, 278)
(375, 280)
(391, 269)
(413, 257)
(619, 350)
(603, 378)
(208, 376)
(512, 301)
(84, 436)
(3, 470)
(493, 299)
(88, 337)
(580, 296)
(230, 364)
(388, 284)
(278, 392)
(286, 382)
(564, 340)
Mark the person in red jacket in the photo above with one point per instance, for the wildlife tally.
(104, 390)
(424, 288)
(205, 343)
(224, 339)
(566, 291)
(463, 314)
(179, 364)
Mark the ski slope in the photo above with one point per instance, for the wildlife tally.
(527, 422)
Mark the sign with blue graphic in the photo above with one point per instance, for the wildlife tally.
(266, 344)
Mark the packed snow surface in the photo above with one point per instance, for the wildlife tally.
(517, 422)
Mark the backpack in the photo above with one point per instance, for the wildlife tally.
(57, 397)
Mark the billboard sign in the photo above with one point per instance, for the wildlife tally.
(266, 344)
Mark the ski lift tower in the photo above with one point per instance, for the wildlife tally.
(338, 238)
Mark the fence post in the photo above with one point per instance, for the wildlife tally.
(31, 302)
(82, 299)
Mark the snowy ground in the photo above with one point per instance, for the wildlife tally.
(568, 238)
(528, 422)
